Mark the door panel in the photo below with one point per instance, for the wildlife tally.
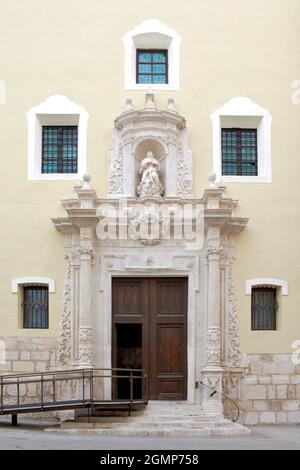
(128, 297)
(160, 306)
(168, 309)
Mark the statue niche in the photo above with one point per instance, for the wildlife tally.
(164, 133)
(150, 185)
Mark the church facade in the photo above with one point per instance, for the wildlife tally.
(168, 245)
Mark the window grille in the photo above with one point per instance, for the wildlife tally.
(59, 149)
(152, 66)
(264, 308)
(239, 152)
(36, 307)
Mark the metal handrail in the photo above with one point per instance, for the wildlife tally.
(214, 390)
(87, 398)
(68, 371)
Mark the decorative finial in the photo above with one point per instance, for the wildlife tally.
(86, 181)
(212, 177)
(128, 104)
(150, 99)
(171, 105)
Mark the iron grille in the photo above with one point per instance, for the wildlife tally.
(152, 66)
(59, 149)
(264, 308)
(239, 152)
(36, 307)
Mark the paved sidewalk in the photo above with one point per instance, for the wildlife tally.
(33, 436)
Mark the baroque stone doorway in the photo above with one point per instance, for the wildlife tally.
(107, 239)
(150, 332)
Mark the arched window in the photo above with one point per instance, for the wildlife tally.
(242, 142)
(57, 130)
(151, 57)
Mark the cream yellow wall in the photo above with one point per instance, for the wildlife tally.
(229, 48)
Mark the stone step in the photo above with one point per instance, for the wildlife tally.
(146, 420)
(146, 423)
(162, 419)
(170, 409)
(166, 403)
(226, 429)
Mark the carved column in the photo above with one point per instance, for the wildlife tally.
(212, 372)
(85, 345)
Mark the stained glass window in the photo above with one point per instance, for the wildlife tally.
(239, 152)
(59, 149)
(152, 66)
(35, 307)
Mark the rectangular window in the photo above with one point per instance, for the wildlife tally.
(239, 152)
(35, 307)
(152, 66)
(264, 308)
(59, 149)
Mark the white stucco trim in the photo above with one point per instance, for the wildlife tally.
(250, 283)
(240, 108)
(2, 92)
(56, 110)
(15, 283)
(152, 34)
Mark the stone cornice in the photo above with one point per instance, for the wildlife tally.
(80, 217)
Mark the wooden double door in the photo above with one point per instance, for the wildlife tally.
(150, 333)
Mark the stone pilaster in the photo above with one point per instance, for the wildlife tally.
(212, 372)
(85, 340)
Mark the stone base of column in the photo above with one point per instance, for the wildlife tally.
(212, 400)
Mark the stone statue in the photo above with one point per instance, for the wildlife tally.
(150, 184)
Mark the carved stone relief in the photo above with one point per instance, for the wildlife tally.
(232, 320)
(213, 345)
(64, 349)
(86, 345)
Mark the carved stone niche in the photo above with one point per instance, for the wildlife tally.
(162, 132)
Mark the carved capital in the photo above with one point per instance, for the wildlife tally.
(86, 253)
(214, 253)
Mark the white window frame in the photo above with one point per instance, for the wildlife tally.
(32, 280)
(244, 113)
(152, 34)
(269, 282)
(57, 110)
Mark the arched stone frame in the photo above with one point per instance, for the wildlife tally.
(250, 283)
(38, 280)
(56, 110)
(152, 34)
(243, 112)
